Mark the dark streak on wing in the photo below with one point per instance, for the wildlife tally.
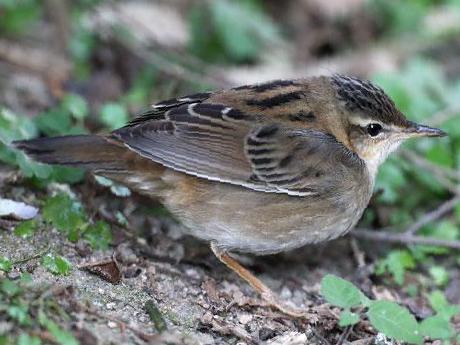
(267, 131)
(286, 160)
(235, 114)
(303, 116)
(271, 85)
(157, 110)
(196, 97)
(277, 100)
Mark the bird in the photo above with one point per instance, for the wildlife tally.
(260, 169)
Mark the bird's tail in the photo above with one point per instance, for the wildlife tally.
(92, 152)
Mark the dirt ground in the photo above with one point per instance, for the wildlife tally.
(199, 299)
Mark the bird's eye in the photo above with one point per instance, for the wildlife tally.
(373, 129)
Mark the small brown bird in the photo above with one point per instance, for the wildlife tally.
(260, 168)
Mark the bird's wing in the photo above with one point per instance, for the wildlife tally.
(221, 143)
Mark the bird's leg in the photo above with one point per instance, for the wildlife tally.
(266, 293)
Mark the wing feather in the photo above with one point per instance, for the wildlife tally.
(220, 143)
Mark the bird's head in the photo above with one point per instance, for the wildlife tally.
(374, 126)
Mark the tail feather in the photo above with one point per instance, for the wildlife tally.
(88, 151)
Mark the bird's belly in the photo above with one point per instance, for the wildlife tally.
(243, 220)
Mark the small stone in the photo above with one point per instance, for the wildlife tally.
(266, 333)
(111, 324)
(126, 254)
(245, 318)
(110, 305)
(290, 337)
(286, 293)
(151, 270)
(132, 272)
(14, 274)
(192, 273)
(207, 318)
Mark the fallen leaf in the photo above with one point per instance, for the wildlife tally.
(108, 270)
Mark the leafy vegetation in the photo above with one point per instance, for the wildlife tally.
(230, 31)
(388, 317)
(222, 34)
(32, 310)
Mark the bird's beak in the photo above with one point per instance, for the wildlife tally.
(416, 130)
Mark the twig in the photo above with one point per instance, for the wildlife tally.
(443, 116)
(320, 337)
(357, 253)
(344, 336)
(385, 236)
(166, 64)
(59, 12)
(124, 325)
(236, 330)
(37, 60)
(433, 215)
(7, 224)
(35, 256)
(434, 168)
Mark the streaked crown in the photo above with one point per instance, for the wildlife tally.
(370, 100)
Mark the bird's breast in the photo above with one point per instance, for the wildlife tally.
(262, 223)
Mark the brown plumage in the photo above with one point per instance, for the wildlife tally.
(258, 168)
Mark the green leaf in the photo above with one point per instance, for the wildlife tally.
(63, 213)
(9, 287)
(5, 264)
(439, 275)
(436, 327)
(98, 235)
(76, 105)
(54, 122)
(230, 31)
(440, 154)
(25, 339)
(437, 300)
(17, 16)
(5, 340)
(397, 262)
(31, 168)
(68, 175)
(20, 313)
(61, 336)
(340, 292)
(114, 115)
(26, 229)
(390, 179)
(56, 264)
(440, 304)
(394, 321)
(26, 279)
(347, 318)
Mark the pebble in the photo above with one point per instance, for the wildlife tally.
(111, 324)
(207, 318)
(245, 318)
(14, 274)
(286, 293)
(110, 305)
(126, 254)
(192, 273)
